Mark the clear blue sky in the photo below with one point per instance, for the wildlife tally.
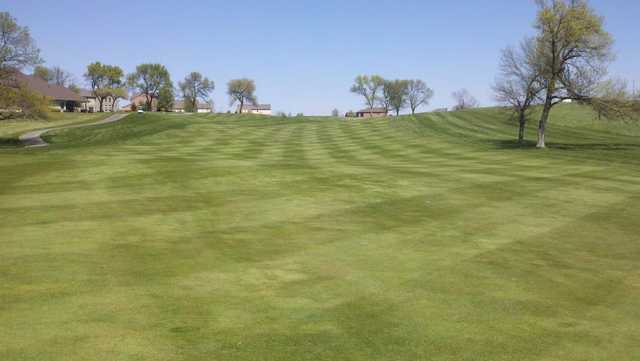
(305, 54)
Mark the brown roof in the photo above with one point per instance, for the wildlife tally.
(55, 92)
(374, 110)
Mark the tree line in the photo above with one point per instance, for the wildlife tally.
(393, 95)
(106, 82)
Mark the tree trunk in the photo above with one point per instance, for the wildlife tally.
(543, 123)
(149, 103)
(241, 105)
(100, 101)
(522, 121)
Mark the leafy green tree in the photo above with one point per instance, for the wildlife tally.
(166, 97)
(17, 47)
(335, 113)
(242, 91)
(195, 87)
(418, 94)
(369, 87)
(519, 85)
(573, 52)
(148, 79)
(398, 93)
(105, 81)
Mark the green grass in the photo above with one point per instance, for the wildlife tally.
(10, 130)
(167, 237)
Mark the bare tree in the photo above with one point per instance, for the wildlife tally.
(17, 47)
(519, 85)
(242, 91)
(418, 94)
(464, 100)
(573, 53)
(369, 88)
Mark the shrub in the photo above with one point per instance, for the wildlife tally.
(22, 102)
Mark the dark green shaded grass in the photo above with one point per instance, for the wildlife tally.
(170, 237)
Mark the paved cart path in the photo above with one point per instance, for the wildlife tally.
(34, 138)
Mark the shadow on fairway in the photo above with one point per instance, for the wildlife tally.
(528, 144)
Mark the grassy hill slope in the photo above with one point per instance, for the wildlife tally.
(173, 237)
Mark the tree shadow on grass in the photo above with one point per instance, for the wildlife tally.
(10, 143)
(528, 144)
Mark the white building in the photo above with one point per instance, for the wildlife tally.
(178, 107)
(91, 103)
(264, 109)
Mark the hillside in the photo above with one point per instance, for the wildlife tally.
(196, 237)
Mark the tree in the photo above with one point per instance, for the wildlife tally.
(242, 91)
(105, 81)
(397, 92)
(195, 87)
(369, 88)
(573, 52)
(335, 113)
(148, 79)
(464, 100)
(519, 85)
(613, 100)
(418, 94)
(43, 73)
(17, 48)
(166, 97)
(55, 75)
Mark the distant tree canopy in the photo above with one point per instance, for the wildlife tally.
(166, 97)
(418, 94)
(105, 81)
(17, 47)
(335, 113)
(54, 75)
(369, 87)
(148, 79)
(464, 100)
(396, 94)
(195, 87)
(242, 91)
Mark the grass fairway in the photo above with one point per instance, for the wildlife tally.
(168, 237)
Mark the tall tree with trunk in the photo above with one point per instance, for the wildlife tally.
(574, 50)
(106, 82)
(195, 87)
(519, 85)
(147, 80)
(418, 94)
(17, 47)
(398, 93)
(242, 91)
(464, 100)
(369, 87)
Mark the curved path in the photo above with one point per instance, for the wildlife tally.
(34, 138)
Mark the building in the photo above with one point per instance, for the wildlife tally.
(372, 113)
(201, 107)
(91, 103)
(264, 109)
(140, 101)
(62, 99)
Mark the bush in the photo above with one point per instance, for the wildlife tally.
(21, 102)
